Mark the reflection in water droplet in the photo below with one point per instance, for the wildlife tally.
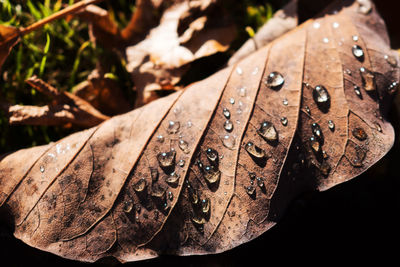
(321, 95)
(228, 126)
(268, 131)
(335, 25)
(316, 130)
(42, 169)
(285, 102)
(325, 40)
(205, 205)
(166, 159)
(184, 146)
(254, 150)
(368, 79)
(364, 6)
(391, 60)
(227, 113)
(355, 38)
(173, 127)
(274, 80)
(229, 141)
(284, 121)
(212, 155)
(181, 163)
(358, 52)
(232, 100)
(212, 174)
(140, 185)
(357, 91)
(160, 138)
(359, 133)
(128, 205)
(331, 125)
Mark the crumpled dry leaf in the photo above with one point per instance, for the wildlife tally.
(65, 109)
(211, 167)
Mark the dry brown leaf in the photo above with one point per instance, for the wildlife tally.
(66, 108)
(9, 37)
(214, 166)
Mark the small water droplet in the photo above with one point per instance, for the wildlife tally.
(284, 121)
(173, 127)
(212, 155)
(252, 175)
(275, 80)
(393, 87)
(228, 125)
(158, 192)
(42, 169)
(177, 110)
(324, 154)
(358, 52)
(184, 146)
(242, 91)
(232, 100)
(347, 71)
(316, 25)
(331, 125)
(128, 205)
(335, 25)
(227, 113)
(357, 91)
(212, 174)
(250, 190)
(268, 131)
(315, 145)
(325, 40)
(170, 195)
(307, 109)
(378, 127)
(189, 124)
(391, 60)
(181, 163)
(316, 130)
(355, 38)
(364, 6)
(260, 182)
(285, 102)
(166, 159)
(140, 185)
(368, 79)
(229, 141)
(359, 133)
(254, 150)
(239, 70)
(205, 205)
(160, 138)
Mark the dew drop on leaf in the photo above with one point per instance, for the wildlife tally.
(364, 6)
(173, 127)
(355, 38)
(229, 141)
(166, 159)
(285, 102)
(315, 145)
(284, 121)
(250, 190)
(275, 80)
(316, 130)
(128, 205)
(357, 91)
(212, 174)
(42, 169)
(320, 94)
(154, 174)
(140, 185)
(331, 125)
(184, 146)
(228, 125)
(181, 163)
(172, 179)
(160, 138)
(205, 205)
(227, 113)
(212, 155)
(358, 52)
(268, 131)
(254, 150)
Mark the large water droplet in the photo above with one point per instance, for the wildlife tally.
(184, 146)
(212, 174)
(158, 192)
(275, 80)
(254, 150)
(368, 79)
(172, 179)
(284, 121)
(140, 185)
(166, 159)
(228, 125)
(229, 141)
(358, 52)
(227, 113)
(268, 131)
(320, 94)
(173, 127)
(359, 133)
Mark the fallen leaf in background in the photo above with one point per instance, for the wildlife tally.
(209, 168)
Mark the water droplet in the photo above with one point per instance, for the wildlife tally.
(393, 87)
(254, 150)
(160, 138)
(315, 145)
(232, 100)
(331, 125)
(335, 25)
(316, 25)
(391, 60)
(268, 131)
(228, 126)
(128, 205)
(359, 133)
(324, 154)
(325, 40)
(255, 71)
(355, 38)
(229, 141)
(227, 113)
(181, 163)
(158, 192)
(205, 205)
(193, 196)
(212, 155)
(368, 79)
(307, 109)
(212, 174)
(184, 146)
(42, 169)
(316, 130)
(177, 110)
(275, 80)
(357, 91)
(358, 52)
(347, 71)
(284, 121)
(239, 70)
(170, 195)
(140, 185)
(321, 96)
(166, 159)
(173, 127)
(364, 6)
(189, 124)
(252, 175)
(378, 127)
(250, 190)
(172, 179)
(154, 174)
(260, 182)
(285, 102)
